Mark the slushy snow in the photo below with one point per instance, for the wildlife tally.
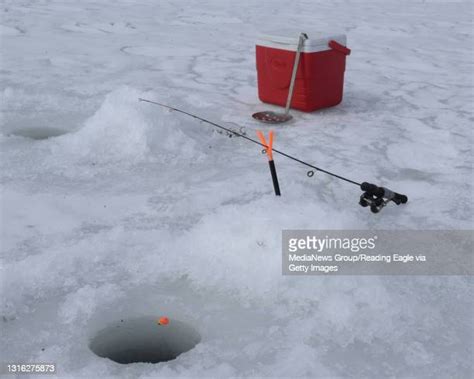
(133, 210)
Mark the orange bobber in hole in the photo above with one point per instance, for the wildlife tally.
(163, 321)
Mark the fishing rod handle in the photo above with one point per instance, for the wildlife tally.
(386, 193)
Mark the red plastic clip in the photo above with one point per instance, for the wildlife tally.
(338, 47)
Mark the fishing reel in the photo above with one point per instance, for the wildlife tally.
(379, 197)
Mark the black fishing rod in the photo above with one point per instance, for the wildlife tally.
(374, 196)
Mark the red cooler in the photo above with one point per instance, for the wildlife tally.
(320, 76)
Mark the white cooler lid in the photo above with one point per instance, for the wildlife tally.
(288, 40)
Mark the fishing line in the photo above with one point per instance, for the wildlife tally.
(373, 196)
(254, 141)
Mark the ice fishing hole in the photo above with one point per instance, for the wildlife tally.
(144, 340)
(38, 133)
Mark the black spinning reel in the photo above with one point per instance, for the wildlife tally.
(379, 197)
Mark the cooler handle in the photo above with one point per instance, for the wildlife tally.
(338, 47)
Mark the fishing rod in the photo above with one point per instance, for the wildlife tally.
(374, 196)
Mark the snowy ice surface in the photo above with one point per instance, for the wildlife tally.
(134, 210)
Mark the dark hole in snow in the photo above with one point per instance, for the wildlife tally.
(144, 340)
(38, 133)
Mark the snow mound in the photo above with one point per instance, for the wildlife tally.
(124, 131)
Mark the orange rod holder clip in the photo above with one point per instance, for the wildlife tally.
(269, 145)
(271, 163)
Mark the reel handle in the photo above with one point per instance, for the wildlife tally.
(382, 192)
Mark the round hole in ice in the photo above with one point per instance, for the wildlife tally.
(144, 340)
(38, 133)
